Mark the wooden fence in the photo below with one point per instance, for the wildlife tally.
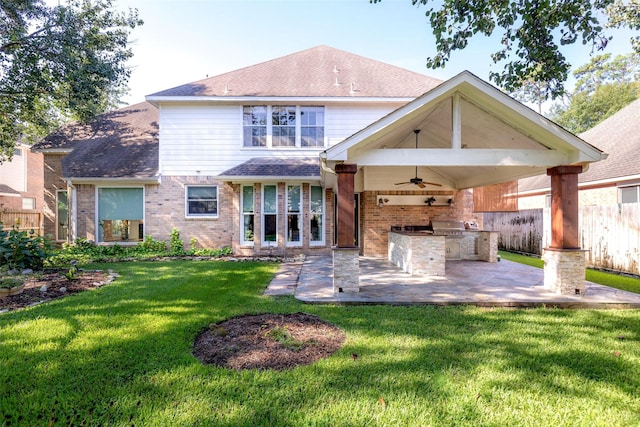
(610, 234)
(24, 220)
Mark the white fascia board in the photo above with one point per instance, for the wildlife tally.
(52, 150)
(115, 181)
(299, 100)
(460, 157)
(245, 179)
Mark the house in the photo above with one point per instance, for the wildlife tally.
(613, 181)
(22, 189)
(320, 151)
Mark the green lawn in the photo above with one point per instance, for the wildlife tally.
(618, 281)
(121, 355)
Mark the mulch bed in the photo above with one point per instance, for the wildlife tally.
(57, 286)
(250, 342)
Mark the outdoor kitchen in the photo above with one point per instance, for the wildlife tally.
(425, 249)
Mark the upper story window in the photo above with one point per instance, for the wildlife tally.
(283, 126)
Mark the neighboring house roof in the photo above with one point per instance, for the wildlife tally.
(619, 136)
(321, 71)
(119, 144)
(7, 191)
(266, 168)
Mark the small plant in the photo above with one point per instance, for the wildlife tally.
(176, 245)
(73, 270)
(281, 335)
(10, 282)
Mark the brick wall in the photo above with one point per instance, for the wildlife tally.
(52, 178)
(377, 221)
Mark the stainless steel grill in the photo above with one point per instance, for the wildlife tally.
(447, 227)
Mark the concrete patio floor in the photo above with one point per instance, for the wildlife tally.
(501, 284)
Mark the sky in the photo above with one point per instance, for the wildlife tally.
(183, 41)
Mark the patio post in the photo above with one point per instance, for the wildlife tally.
(564, 260)
(346, 263)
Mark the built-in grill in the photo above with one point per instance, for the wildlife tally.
(447, 227)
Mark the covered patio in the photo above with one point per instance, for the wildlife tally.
(428, 159)
(501, 284)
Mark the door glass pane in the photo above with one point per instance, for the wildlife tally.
(62, 216)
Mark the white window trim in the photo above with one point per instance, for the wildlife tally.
(262, 213)
(300, 216)
(97, 214)
(321, 242)
(242, 215)
(201, 216)
(298, 144)
(58, 238)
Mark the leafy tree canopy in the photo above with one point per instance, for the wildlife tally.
(56, 62)
(603, 87)
(532, 33)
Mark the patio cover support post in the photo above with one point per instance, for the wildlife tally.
(564, 260)
(346, 263)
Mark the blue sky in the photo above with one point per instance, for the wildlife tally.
(187, 40)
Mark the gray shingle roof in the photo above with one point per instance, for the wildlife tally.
(321, 71)
(5, 190)
(119, 144)
(273, 167)
(619, 136)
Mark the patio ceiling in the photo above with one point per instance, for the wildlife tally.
(470, 135)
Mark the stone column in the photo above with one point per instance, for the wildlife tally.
(346, 263)
(564, 260)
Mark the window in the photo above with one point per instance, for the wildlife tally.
(17, 152)
(62, 215)
(316, 222)
(28, 203)
(255, 126)
(120, 214)
(247, 215)
(294, 211)
(283, 122)
(312, 126)
(283, 126)
(269, 214)
(202, 201)
(630, 194)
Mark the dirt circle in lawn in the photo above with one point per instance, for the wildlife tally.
(268, 341)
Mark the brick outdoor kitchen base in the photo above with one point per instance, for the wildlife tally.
(564, 271)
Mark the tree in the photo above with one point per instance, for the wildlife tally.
(532, 33)
(603, 87)
(59, 62)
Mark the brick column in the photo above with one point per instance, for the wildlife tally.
(564, 261)
(346, 263)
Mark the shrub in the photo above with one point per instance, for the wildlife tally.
(151, 246)
(21, 249)
(176, 245)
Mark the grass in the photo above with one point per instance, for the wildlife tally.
(618, 281)
(121, 355)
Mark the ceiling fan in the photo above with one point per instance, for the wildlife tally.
(418, 181)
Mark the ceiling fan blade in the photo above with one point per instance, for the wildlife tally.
(433, 183)
(402, 183)
(421, 185)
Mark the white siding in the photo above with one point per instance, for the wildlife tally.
(14, 173)
(207, 139)
(343, 121)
